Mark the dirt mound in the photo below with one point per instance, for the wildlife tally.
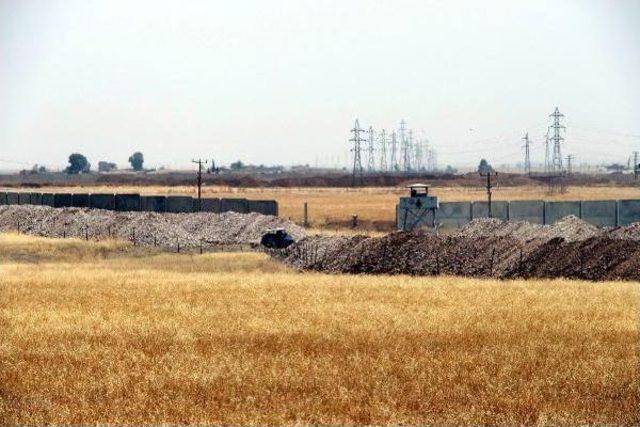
(484, 248)
(168, 230)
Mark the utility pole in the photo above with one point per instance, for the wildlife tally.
(370, 150)
(394, 152)
(200, 162)
(570, 158)
(382, 140)
(527, 158)
(357, 151)
(488, 174)
(557, 139)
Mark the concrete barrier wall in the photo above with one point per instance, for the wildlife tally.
(127, 202)
(135, 202)
(24, 198)
(102, 201)
(47, 199)
(555, 211)
(527, 210)
(62, 200)
(179, 204)
(234, 205)
(499, 210)
(211, 205)
(35, 198)
(13, 198)
(628, 211)
(453, 214)
(600, 212)
(265, 207)
(153, 203)
(80, 200)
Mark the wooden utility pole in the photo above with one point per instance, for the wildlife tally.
(488, 174)
(200, 162)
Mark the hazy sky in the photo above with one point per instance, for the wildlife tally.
(282, 81)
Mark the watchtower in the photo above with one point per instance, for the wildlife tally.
(418, 210)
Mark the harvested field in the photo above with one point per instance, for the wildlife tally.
(165, 230)
(570, 248)
(102, 333)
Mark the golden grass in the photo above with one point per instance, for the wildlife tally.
(238, 339)
(376, 204)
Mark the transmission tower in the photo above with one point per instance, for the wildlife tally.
(557, 139)
(418, 156)
(570, 159)
(371, 150)
(404, 146)
(410, 151)
(394, 152)
(527, 158)
(636, 164)
(357, 153)
(382, 140)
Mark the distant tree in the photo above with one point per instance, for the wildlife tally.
(236, 166)
(136, 160)
(78, 164)
(450, 170)
(484, 166)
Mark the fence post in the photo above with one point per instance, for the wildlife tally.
(305, 221)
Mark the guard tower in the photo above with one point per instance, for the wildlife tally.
(418, 210)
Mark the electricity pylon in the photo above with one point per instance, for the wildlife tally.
(357, 153)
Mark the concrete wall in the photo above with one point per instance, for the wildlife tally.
(24, 198)
(80, 200)
(61, 200)
(265, 207)
(628, 211)
(234, 205)
(527, 210)
(600, 212)
(179, 204)
(127, 202)
(211, 205)
(558, 210)
(453, 214)
(35, 198)
(12, 198)
(47, 199)
(102, 201)
(498, 210)
(153, 203)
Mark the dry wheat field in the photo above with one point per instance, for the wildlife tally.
(335, 206)
(104, 333)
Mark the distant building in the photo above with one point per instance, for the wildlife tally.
(106, 167)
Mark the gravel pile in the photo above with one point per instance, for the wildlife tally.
(167, 230)
(570, 228)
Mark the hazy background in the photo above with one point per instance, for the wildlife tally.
(282, 81)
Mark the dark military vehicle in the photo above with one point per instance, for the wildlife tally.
(276, 239)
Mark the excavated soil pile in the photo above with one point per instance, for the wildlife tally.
(168, 230)
(484, 248)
